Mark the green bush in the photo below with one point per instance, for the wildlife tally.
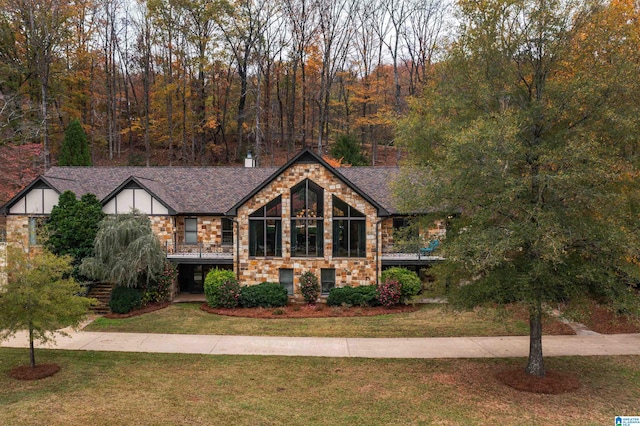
(409, 280)
(264, 295)
(221, 289)
(309, 287)
(124, 300)
(364, 295)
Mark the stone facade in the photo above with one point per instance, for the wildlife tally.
(349, 271)
(18, 230)
(209, 235)
(164, 228)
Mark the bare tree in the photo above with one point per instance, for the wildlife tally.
(301, 15)
(335, 28)
(43, 26)
(422, 37)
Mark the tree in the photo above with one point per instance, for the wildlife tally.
(126, 251)
(40, 297)
(347, 148)
(73, 226)
(516, 136)
(75, 149)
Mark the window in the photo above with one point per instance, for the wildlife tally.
(227, 232)
(349, 230)
(36, 228)
(191, 230)
(286, 280)
(265, 230)
(307, 220)
(399, 223)
(327, 279)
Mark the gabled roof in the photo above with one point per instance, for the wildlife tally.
(40, 181)
(166, 199)
(209, 190)
(308, 156)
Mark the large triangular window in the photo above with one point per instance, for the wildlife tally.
(307, 212)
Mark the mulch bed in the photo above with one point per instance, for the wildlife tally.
(552, 383)
(603, 320)
(40, 371)
(308, 311)
(145, 310)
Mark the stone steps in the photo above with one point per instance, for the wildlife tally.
(101, 292)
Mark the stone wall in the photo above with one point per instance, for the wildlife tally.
(349, 271)
(209, 235)
(18, 230)
(163, 227)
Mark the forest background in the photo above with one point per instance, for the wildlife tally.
(202, 82)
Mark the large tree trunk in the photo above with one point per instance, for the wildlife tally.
(535, 365)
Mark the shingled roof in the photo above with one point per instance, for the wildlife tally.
(192, 190)
(205, 190)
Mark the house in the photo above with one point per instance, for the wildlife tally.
(266, 224)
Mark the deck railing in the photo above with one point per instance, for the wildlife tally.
(199, 250)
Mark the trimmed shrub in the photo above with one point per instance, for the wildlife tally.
(309, 287)
(124, 300)
(221, 289)
(263, 295)
(409, 280)
(389, 292)
(364, 295)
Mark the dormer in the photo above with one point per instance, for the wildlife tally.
(36, 199)
(134, 195)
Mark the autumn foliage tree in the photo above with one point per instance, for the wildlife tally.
(524, 133)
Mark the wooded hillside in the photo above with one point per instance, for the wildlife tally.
(201, 82)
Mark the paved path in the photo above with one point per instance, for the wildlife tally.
(440, 347)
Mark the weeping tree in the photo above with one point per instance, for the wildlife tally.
(126, 251)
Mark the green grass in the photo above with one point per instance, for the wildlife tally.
(428, 321)
(102, 388)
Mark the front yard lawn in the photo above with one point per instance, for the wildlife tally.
(106, 388)
(427, 321)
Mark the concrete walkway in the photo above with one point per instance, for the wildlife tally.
(442, 347)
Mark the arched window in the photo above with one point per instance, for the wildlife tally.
(307, 220)
(265, 230)
(349, 230)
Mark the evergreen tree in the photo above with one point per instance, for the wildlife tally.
(520, 133)
(75, 148)
(347, 148)
(73, 225)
